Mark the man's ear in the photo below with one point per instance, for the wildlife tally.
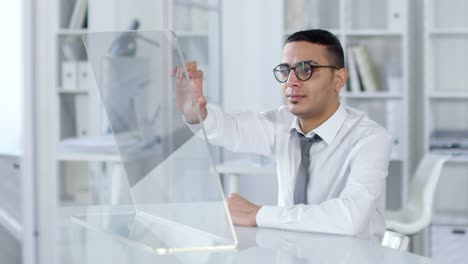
(341, 76)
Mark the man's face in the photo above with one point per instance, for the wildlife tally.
(312, 97)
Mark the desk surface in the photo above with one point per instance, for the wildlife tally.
(256, 245)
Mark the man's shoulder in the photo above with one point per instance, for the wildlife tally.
(281, 115)
(360, 124)
(285, 114)
(367, 137)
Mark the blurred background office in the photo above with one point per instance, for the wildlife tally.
(407, 61)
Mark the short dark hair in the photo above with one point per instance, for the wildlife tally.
(323, 38)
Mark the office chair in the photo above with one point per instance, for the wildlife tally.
(418, 212)
(10, 197)
(395, 240)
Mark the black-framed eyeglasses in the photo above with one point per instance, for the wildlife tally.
(303, 70)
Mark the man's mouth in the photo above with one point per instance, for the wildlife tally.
(295, 98)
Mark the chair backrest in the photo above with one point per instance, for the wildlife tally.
(10, 194)
(395, 240)
(424, 183)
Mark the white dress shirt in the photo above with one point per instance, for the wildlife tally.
(347, 172)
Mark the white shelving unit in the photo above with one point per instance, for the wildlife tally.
(76, 109)
(445, 108)
(78, 112)
(445, 81)
(381, 26)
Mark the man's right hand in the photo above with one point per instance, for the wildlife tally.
(189, 100)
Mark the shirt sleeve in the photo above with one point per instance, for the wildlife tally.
(240, 132)
(350, 212)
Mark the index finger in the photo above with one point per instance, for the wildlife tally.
(191, 65)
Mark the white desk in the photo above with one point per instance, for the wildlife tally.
(256, 245)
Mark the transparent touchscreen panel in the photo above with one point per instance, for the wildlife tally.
(177, 200)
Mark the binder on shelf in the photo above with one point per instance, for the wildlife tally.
(83, 75)
(81, 115)
(354, 80)
(366, 69)
(394, 113)
(395, 15)
(76, 75)
(69, 75)
(77, 19)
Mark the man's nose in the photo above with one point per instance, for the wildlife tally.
(292, 79)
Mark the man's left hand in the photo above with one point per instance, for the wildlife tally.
(243, 212)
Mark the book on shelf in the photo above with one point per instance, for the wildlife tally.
(365, 68)
(78, 17)
(354, 80)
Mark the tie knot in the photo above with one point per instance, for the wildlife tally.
(305, 139)
(305, 143)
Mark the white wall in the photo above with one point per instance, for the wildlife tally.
(251, 49)
(10, 77)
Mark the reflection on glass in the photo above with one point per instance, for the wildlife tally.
(296, 247)
(177, 201)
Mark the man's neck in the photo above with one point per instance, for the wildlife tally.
(310, 123)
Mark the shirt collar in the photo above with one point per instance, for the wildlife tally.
(328, 129)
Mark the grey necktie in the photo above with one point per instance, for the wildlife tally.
(302, 178)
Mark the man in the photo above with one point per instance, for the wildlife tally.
(332, 160)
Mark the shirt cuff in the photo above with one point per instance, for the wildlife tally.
(209, 123)
(269, 216)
